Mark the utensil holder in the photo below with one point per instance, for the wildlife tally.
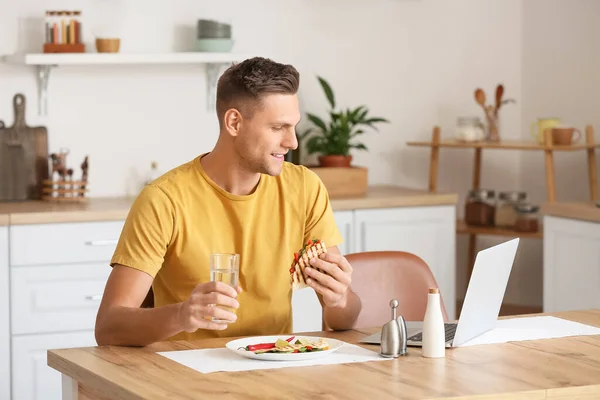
(64, 190)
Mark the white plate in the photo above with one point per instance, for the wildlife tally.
(237, 347)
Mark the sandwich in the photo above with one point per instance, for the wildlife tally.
(313, 249)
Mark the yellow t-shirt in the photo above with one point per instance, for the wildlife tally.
(183, 217)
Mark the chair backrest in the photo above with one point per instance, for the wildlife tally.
(381, 276)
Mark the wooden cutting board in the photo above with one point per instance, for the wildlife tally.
(23, 157)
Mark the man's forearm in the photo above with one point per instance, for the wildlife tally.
(343, 317)
(127, 326)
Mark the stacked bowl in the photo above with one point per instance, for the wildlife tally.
(213, 36)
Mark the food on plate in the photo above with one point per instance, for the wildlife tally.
(313, 248)
(301, 345)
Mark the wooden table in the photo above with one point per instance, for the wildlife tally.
(544, 369)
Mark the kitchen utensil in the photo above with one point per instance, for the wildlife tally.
(480, 97)
(23, 156)
(499, 94)
(542, 124)
(392, 336)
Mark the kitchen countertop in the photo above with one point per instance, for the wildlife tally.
(585, 211)
(116, 208)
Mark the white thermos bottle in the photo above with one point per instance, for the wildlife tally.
(434, 335)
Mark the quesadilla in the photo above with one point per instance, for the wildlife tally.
(313, 249)
(301, 345)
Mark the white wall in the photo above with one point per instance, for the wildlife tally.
(561, 60)
(414, 62)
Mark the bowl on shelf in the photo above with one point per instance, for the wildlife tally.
(214, 45)
(210, 29)
(108, 45)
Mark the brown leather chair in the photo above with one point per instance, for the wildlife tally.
(381, 276)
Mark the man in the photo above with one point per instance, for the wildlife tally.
(239, 198)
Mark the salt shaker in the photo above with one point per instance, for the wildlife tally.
(403, 338)
(393, 335)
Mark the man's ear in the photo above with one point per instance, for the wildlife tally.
(232, 121)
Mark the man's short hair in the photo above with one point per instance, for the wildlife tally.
(243, 85)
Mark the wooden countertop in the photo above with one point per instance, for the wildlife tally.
(106, 209)
(581, 211)
(537, 369)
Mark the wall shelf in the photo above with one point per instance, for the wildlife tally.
(588, 145)
(45, 62)
(462, 227)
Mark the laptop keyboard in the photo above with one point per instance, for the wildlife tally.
(450, 329)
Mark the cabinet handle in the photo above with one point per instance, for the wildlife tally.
(101, 242)
(94, 297)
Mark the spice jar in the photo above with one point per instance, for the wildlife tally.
(506, 215)
(527, 218)
(469, 129)
(480, 207)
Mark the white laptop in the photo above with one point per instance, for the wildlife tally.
(482, 302)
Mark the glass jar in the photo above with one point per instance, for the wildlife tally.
(480, 207)
(506, 215)
(469, 129)
(527, 218)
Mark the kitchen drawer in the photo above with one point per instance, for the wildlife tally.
(63, 243)
(56, 298)
(32, 378)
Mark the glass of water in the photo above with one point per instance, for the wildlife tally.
(225, 267)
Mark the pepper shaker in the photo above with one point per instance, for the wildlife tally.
(392, 335)
(403, 337)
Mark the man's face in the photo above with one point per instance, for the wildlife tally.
(268, 134)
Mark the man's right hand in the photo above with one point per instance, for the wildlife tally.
(197, 311)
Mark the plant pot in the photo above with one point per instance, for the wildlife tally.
(335, 160)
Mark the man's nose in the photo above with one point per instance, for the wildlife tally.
(291, 140)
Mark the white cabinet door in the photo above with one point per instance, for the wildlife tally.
(428, 232)
(4, 316)
(345, 223)
(32, 378)
(56, 298)
(307, 311)
(571, 264)
(63, 243)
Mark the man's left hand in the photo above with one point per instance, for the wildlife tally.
(334, 283)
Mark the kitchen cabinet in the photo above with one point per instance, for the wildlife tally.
(571, 264)
(428, 232)
(32, 378)
(58, 272)
(4, 316)
(57, 277)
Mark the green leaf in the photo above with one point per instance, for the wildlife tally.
(359, 146)
(316, 144)
(357, 132)
(374, 120)
(328, 91)
(317, 121)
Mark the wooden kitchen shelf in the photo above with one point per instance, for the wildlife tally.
(462, 227)
(504, 145)
(589, 146)
(44, 62)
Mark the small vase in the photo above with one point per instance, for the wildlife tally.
(492, 128)
(335, 160)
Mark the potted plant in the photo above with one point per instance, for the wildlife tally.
(334, 140)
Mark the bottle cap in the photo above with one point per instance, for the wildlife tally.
(434, 290)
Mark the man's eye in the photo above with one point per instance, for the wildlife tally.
(277, 128)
